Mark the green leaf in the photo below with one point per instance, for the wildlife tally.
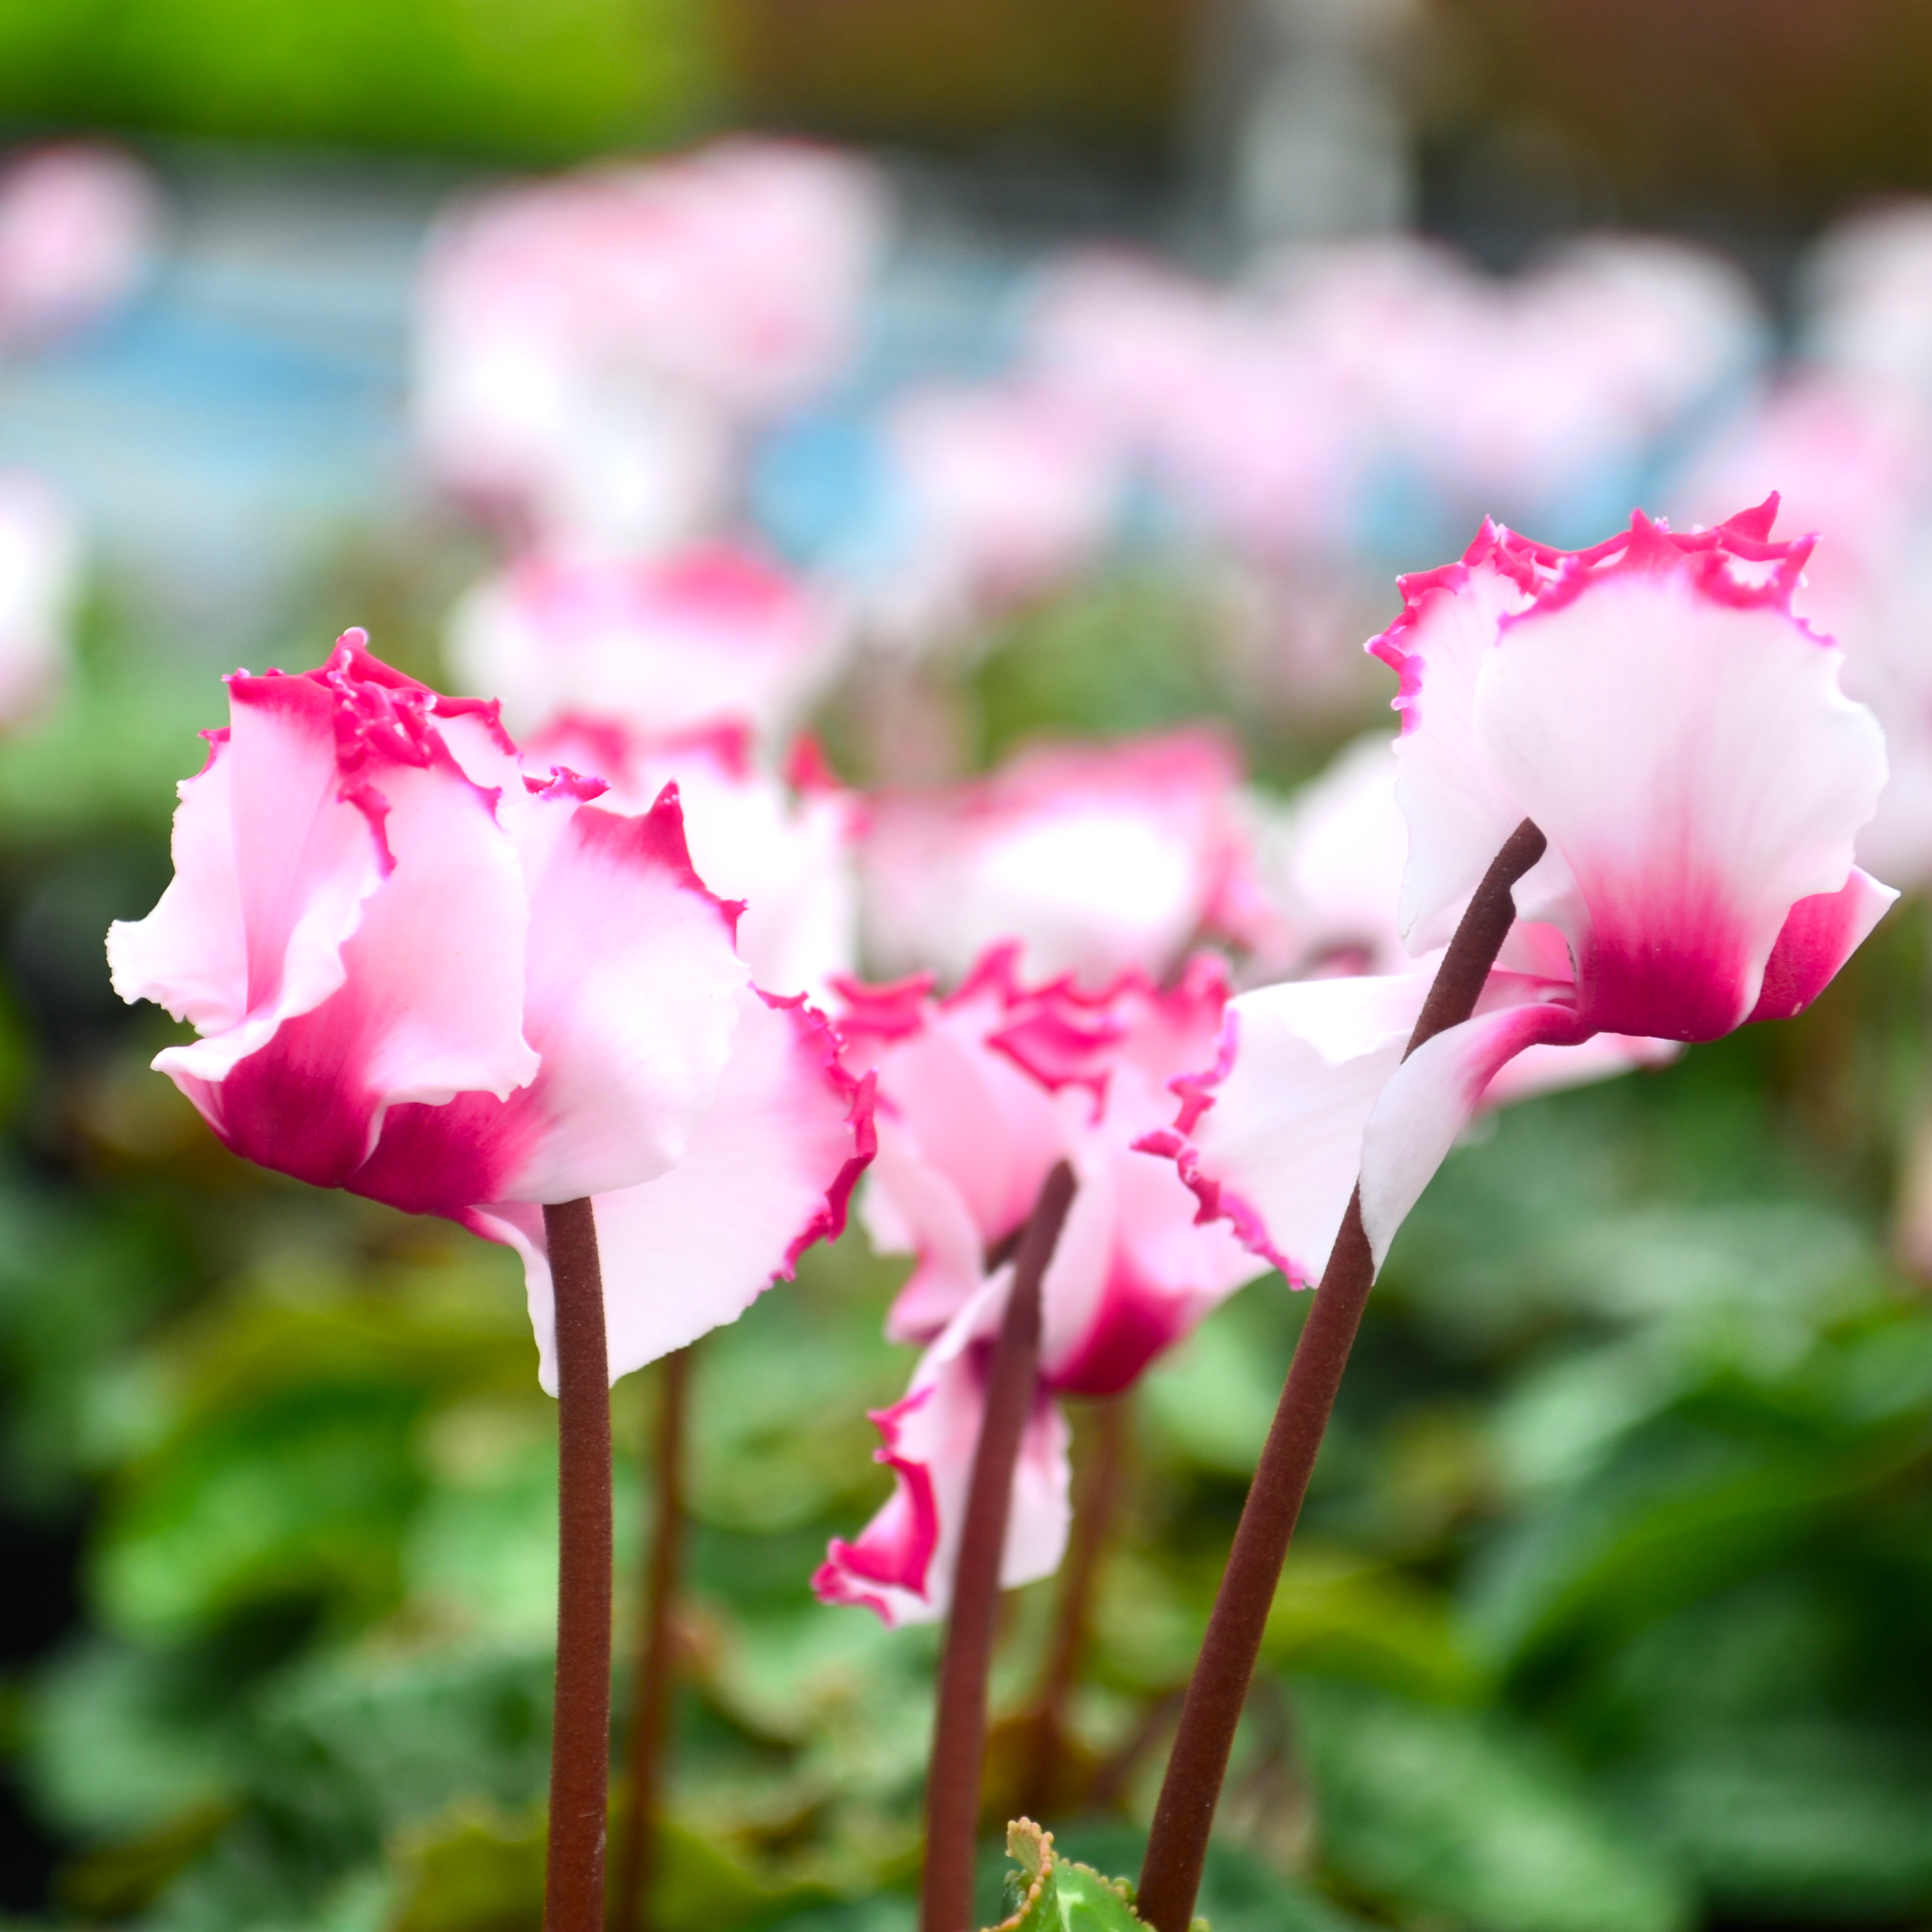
(1446, 1812)
(1048, 1894)
(1797, 1822)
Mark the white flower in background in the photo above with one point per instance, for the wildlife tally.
(710, 636)
(77, 233)
(1279, 413)
(1098, 859)
(591, 349)
(40, 567)
(1867, 295)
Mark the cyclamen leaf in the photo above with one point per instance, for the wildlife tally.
(1047, 1893)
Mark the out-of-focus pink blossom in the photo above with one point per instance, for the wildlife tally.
(588, 347)
(1680, 737)
(1003, 491)
(787, 853)
(1100, 859)
(711, 636)
(1539, 383)
(981, 1093)
(420, 973)
(1868, 298)
(77, 230)
(1258, 440)
(40, 565)
(1274, 411)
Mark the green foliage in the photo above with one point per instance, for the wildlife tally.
(500, 77)
(1460, 1815)
(1047, 1893)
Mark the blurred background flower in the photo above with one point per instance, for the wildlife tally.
(963, 443)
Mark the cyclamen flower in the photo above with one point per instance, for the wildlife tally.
(1100, 859)
(786, 851)
(1679, 736)
(710, 637)
(422, 973)
(77, 226)
(980, 1094)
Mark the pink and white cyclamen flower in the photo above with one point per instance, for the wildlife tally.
(1679, 735)
(421, 972)
(980, 1094)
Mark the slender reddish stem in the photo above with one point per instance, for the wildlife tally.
(1072, 1620)
(579, 1753)
(1184, 1815)
(655, 1677)
(959, 1727)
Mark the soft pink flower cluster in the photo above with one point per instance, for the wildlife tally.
(77, 230)
(459, 978)
(1268, 409)
(1654, 707)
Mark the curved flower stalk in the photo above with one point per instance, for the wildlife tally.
(788, 850)
(40, 567)
(78, 227)
(1632, 769)
(981, 1093)
(423, 973)
(590, 350)
(711, 637)
(1098, 859)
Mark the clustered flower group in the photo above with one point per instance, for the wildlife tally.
(469, 979)
(650, 953)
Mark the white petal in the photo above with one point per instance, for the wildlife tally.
(901, 1564)
(767, 1174)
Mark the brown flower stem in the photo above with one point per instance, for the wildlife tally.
(959, 1727)
(580, 1752)
(655, 1679)
(1092, 1522)
(1184, 1815)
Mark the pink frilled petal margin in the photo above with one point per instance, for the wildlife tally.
(770, 1170)
(1677, 732)
(901, 1565)
(420, 974)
